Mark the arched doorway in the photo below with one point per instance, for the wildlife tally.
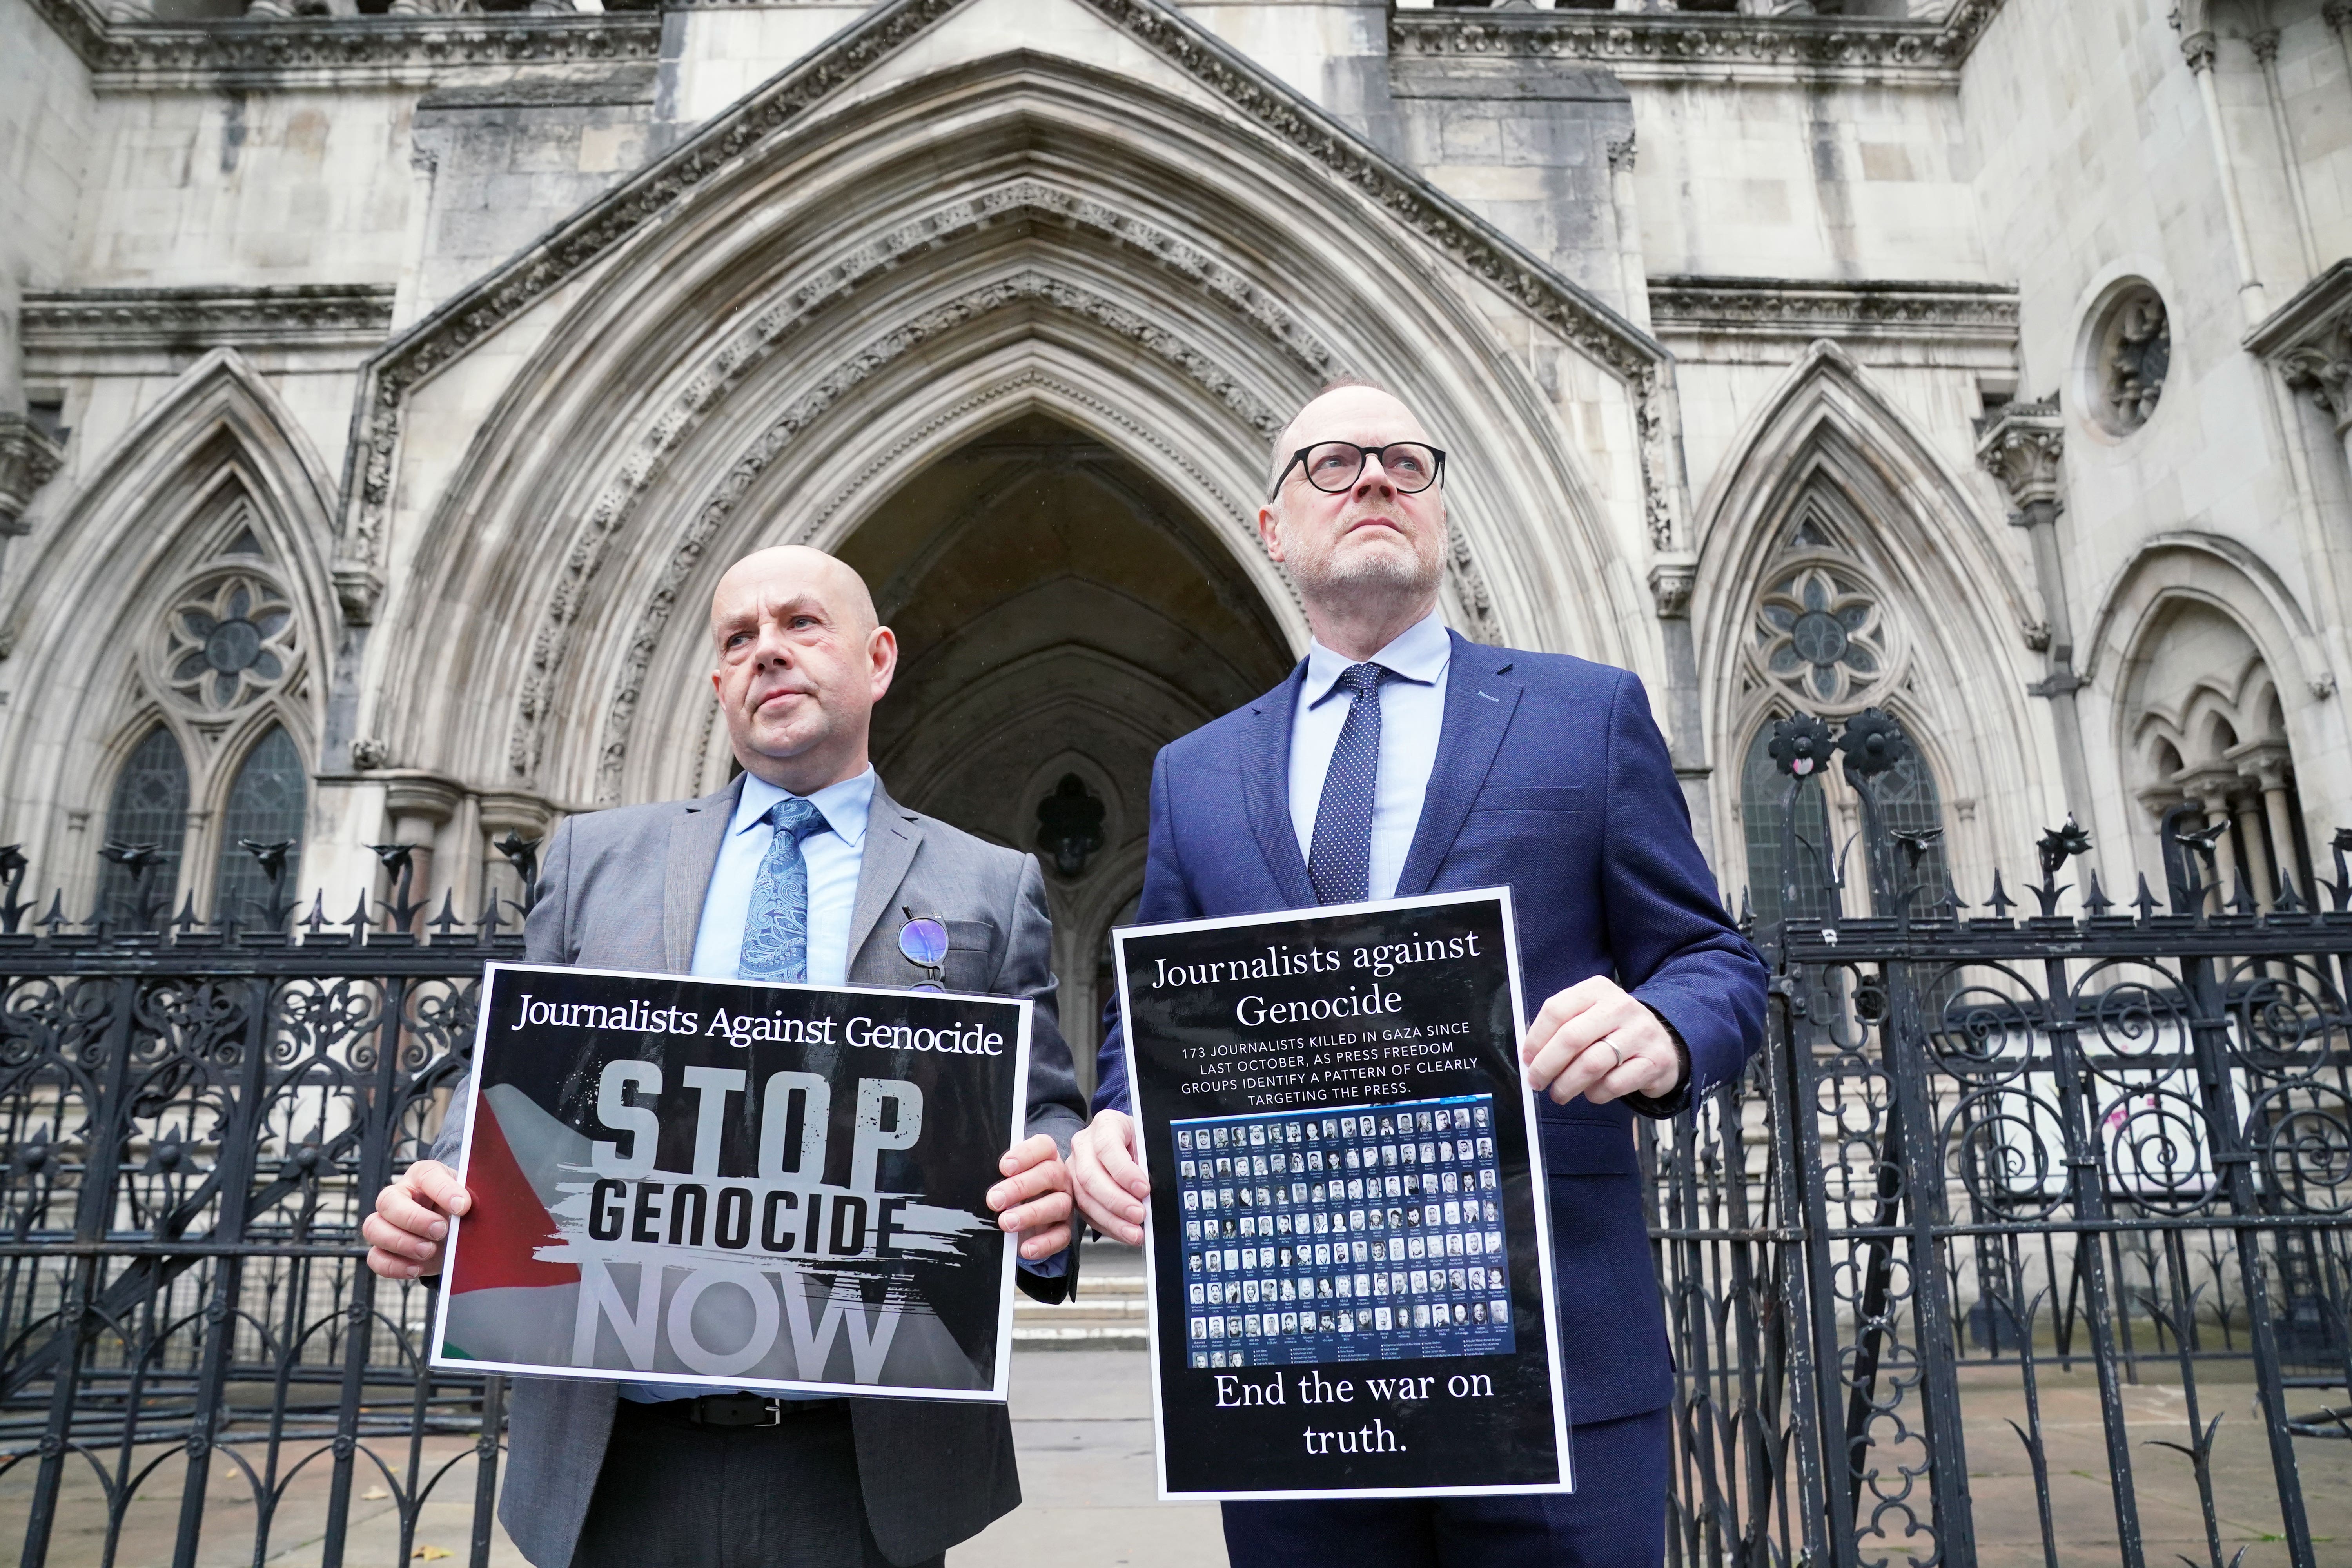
(1060, 619)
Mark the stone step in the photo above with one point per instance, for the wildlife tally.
(1109, 1312)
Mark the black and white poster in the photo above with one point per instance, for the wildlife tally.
(763, 1187)
(1350, 1259)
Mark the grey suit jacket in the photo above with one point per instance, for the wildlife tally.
(623, 890)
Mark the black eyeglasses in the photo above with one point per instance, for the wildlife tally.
(1334, 465)
(923, 943)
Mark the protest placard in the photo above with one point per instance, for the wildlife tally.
(1350, 1257)
(766, 1186)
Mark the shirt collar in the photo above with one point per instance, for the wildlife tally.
(845, 804)
(1419, 654)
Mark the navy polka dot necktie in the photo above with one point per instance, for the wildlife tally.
(1340, 862)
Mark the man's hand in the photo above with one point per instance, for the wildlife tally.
(1033, 1200)
(1595, 1041)
(411, 1220)
(1112, 1185)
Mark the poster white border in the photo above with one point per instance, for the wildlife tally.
(1000, 1390)
(1537, 1182)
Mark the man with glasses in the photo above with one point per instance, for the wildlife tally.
(803, 870)
(1400, 760)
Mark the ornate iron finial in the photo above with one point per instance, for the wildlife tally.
(2288, 903)
(272, 859)
(1915, 842)
(138, 860)
(1800, 744)
(2059, 845)
(522, 854)
(13, 867)
(400, 864)
(1873, 743)
(2146, 902)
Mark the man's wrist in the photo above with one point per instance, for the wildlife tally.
(1677, 1099)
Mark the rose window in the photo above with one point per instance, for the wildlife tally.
(1820, 635)
(229, 641)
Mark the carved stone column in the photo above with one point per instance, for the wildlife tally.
(418, 807)
(2210, 789)
(2198, 49)
(2023, 446)
(1673, 574)
(503, 812)
(2264, 763)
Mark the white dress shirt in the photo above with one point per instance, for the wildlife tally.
(1412, 711)
(833, 856)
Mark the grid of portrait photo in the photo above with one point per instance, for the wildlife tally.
(1370, 1233)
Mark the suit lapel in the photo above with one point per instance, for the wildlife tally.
(696, 832)
(893, 834)
(1265, 788)
(1479, 700)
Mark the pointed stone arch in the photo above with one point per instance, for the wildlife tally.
(216, 485)
(928, 255)
(1831, 491)
(2216, 689)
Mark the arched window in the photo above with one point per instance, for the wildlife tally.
(265, 805)
(149, 806)
(1909, 803)
(1763, 814)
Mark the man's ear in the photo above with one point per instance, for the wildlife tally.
(882, 649)
(1269, 531)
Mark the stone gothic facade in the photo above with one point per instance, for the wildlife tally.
(381, 389)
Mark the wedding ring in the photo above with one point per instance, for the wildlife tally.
(1615, 1052)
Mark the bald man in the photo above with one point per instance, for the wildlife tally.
(1398, 760)
(801, 869)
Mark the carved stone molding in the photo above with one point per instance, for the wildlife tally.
(2023, 447)
(1804, 308)
(316, 315)
(259, 49)
(28, 459)
(1646, 45)
(358, 591)
(2198, 48)
(1028, 286)
(1673, 575)
(1596, 330)
(2309, 339)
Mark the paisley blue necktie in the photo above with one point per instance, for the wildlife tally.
(775, 928)
(1340, 861)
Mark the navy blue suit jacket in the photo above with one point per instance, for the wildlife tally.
(1551, 779)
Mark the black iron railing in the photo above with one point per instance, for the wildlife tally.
(2099, 1155)
(1995, 1185)
(194, 1120)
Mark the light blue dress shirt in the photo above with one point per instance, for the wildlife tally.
(833, 857)
(1412, 711)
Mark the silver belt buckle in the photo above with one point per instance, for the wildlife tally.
(776, 1411)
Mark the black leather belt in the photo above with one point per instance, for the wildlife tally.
(743, 1409)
